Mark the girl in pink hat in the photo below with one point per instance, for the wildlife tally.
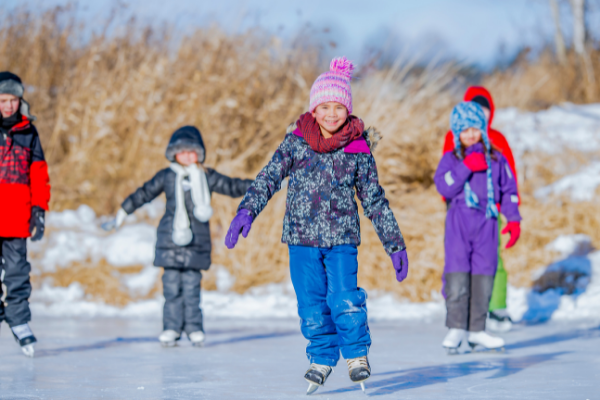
(327, 156)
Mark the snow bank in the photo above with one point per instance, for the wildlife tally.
(569, 126)
(76, 236)
(269, 301)
(580, 186)
(578, 298)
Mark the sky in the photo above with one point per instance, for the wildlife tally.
(477, 32)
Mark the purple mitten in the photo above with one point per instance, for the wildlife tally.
(400, 262)
(241, 223)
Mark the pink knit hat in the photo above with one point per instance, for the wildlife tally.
(333, 85)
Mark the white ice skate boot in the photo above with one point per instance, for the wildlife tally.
(499, 321)
(169, 338)
(453, 339)
(25, 338)
(486, 340)
(197, 338)
(316, 376)
(359, 370)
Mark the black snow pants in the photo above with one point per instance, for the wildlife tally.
(467, 300)
(15, 308)
(181, 288)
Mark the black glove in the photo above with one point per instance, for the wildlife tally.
(37, 222)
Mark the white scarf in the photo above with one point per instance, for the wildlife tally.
(182, 234)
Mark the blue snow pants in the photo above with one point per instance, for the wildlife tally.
(332, 308)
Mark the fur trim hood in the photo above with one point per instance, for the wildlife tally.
(186, 138)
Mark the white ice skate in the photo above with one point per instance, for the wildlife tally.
(197, 338)
(485, 340)
(169, 338)
(316, 376)
(453, 339)
(499, 321)
(24, 336)
(359, 370)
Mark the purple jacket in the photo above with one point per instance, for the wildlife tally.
(452, 174)
(320, 207)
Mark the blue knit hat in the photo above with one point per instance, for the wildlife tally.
(470, 115)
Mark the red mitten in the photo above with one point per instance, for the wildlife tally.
(476, 162)
(514, 228)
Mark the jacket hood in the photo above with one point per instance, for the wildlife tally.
(475, 91)
(186, 138)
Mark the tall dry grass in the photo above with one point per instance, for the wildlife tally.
(107, 107)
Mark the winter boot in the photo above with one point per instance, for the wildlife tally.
(197, 338)
(453, 339)
(499, 321)
(25, 338)
(169, 338)
(359, 370)
(486, 340)
(316, 376)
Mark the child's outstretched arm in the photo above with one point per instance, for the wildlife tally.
(376, 206)
(145, 194)
(450, 176)
(267, 183)
(222, 184)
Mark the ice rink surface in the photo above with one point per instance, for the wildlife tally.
(264, 359)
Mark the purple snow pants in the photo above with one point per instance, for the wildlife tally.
(471, 246)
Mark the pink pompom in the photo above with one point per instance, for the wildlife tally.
(342, 66)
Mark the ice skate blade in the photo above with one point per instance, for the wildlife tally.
(168, 344)
(312, 387)
(485, 349)
(451, 351)
(198, 344)
(362, 386)
(28, 350)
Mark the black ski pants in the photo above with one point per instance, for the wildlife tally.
(467, 300)
(15, 308)
(181, 288)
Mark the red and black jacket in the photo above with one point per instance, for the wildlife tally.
(24, 181)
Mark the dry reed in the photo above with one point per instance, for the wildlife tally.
(108, 106)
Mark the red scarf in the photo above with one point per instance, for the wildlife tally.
(352, 129)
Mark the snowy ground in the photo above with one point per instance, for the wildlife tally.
(264, 359)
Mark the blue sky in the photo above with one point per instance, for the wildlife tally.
(473, 31)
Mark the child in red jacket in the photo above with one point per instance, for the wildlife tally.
(24, 197)
(499, 319)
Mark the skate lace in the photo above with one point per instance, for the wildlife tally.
(324, 369)
(358, 362)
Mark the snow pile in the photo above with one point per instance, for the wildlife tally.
(573, 292)
(566, 290)
(569, 126)
(580, 186)
(76, 236)
(269, 301)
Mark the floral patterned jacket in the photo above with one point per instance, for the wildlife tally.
(321, 210)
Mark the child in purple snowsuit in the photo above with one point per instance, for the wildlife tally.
(474, 178)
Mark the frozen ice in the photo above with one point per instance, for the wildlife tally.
(120, 358)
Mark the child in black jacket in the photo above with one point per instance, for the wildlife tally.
(183, 243)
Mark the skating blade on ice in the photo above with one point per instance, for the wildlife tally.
(316, 376)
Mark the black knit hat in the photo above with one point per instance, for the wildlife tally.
(482, 101)
(186, 138)
(11, 84)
